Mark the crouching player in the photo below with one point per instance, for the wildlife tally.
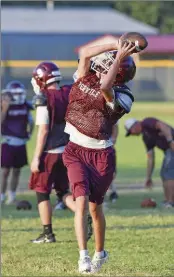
(17, 126)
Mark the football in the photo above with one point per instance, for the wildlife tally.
(23, 205)
(136, 39)
(148, 203)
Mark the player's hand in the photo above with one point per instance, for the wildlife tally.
(124, 49)
(5, 102)
(35, 165)
(148, 183)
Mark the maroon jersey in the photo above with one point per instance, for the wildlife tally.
(153, 137)
(57, 102)
(15, 123)
(88, 111)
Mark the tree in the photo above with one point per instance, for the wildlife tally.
(158, 14)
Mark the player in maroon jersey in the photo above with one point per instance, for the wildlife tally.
(47, 168)
(156, 133)
(97, 100)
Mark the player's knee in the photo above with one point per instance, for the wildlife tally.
(41, 197)
(5, 172)
(61, 195)
(16, 171)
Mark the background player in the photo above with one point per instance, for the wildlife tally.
(47, 167)
(17, 126)
(156, 133)
(113, 194)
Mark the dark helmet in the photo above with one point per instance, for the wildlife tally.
(45, 74)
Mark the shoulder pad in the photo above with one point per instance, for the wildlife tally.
(124, 89)
(29, 105)
(39, 100)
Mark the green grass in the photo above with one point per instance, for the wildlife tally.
(140, 241)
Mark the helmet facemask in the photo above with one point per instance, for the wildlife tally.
(18, 95)
(102, 63)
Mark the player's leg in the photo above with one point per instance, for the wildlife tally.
(113, 196)
(170, 187)
(113, 193)
(45, 212)
(4, 180)
(6, 164)
(104, 164)
(78, 177)
(99, 226)
(42, 184)
(19, 161)
(167, 174)
(13, 185)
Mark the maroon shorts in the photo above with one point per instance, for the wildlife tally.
(53, 174)
(13, 156)
(90, 171)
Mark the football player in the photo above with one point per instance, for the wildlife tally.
(98, 99)
(17, 126)
(156, 133)
(48, 170)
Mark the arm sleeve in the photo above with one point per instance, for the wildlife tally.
(42, 116)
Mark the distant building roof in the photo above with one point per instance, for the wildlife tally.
(70, 20)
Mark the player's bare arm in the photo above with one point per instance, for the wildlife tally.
(150, 167)
(167, 132)
(88, 52)
(124, 50)
(40, 143)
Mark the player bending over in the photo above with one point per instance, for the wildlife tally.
(156, 133)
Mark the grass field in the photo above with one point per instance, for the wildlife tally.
(140, 242)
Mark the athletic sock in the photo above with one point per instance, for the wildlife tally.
(2, 197)
(47, 229)
(83, 253)
(99, 255)
(11, 195)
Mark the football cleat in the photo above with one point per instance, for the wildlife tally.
(44, 238)
(84, 265)
(98, 262)
(113, 197)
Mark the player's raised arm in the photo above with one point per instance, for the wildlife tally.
(124, 50)
(88, 52)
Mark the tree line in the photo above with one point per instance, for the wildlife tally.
(159, 14)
